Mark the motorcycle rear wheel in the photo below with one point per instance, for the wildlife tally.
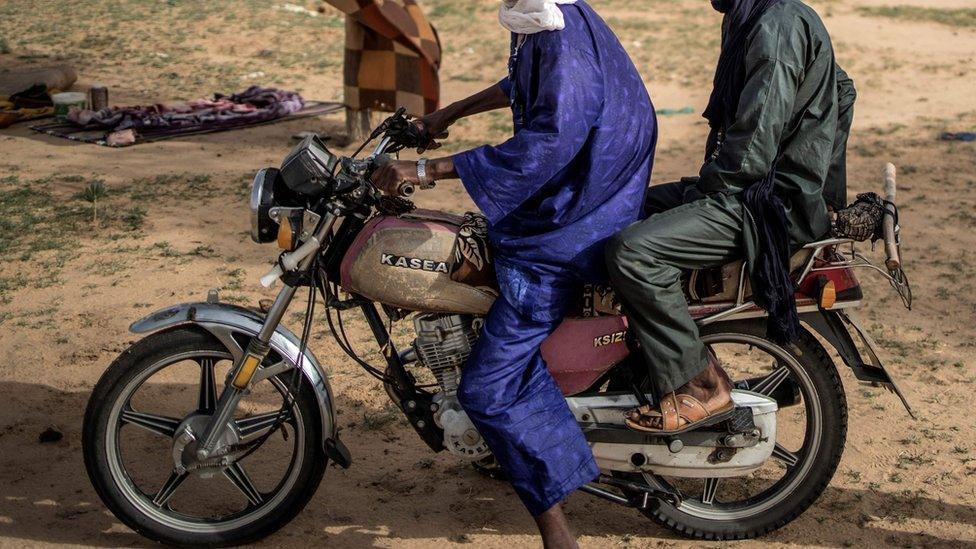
(150, 513)
(705, 516)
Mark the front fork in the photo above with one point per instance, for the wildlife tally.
(239, 379)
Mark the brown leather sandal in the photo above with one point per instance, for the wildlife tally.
(681, 413)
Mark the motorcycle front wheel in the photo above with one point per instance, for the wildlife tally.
(810, 438)
(143, 466)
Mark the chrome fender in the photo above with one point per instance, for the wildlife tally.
(223, 321)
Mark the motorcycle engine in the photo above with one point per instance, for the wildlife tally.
(443, 344)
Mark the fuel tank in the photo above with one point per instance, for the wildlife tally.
(406, 261)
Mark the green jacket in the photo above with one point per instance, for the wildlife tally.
(788, 109)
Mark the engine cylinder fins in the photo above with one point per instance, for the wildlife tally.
(443, 344)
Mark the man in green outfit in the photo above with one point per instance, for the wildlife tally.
(780, 112)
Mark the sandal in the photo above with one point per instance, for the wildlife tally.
(681, 413)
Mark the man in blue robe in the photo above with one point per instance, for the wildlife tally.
(573, 174)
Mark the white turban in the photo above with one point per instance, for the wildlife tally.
(532, 16)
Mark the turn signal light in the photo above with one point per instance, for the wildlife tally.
(828, 294)
(286, 235)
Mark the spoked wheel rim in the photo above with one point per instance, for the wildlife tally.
(705, 502)
(155, 502)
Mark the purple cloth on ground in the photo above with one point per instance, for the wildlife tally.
(255, 104)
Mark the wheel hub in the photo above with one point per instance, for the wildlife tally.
(185, 447)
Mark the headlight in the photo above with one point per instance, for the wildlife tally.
(263, 228)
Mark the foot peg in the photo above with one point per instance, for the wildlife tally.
(741, 421)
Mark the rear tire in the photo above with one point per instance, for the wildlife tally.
(826, 455)
(129, 366)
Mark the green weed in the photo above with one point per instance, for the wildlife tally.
(955, 17)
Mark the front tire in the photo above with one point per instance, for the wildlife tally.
(805, 480)
(108, 474)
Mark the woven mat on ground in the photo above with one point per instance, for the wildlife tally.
(71, 131)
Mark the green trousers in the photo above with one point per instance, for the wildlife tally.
(645, 262)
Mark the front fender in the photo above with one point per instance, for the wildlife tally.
(225, 321)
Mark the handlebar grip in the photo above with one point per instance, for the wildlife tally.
(273, 275)
(893, 261)
(406, 189)
(891, 187)
(290, 261)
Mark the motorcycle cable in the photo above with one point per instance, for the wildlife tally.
(342, 340)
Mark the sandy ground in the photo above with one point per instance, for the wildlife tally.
(174, 225)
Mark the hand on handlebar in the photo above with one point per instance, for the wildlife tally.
(431, 127)
(395, 177)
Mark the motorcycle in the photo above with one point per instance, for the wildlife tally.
(194, 462)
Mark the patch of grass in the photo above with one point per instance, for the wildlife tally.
(235, 282)
(34, 318)
(175, 186)
(35, 217)
(9, 285)
(913, 459)
(964, 217)
(374, 422)
(165, 250)
(133, 218)
(955, 17)
(108, 267)
(33, 220)
(234, 298)
(204, 251)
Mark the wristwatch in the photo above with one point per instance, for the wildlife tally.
(425, 182)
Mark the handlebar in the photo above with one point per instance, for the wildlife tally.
(379, 157)
(406, 189)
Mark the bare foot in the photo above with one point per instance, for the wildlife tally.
(712, 387)
(711, 392)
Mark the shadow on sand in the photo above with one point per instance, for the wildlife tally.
(394, 491)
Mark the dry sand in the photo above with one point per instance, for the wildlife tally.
(174, 225)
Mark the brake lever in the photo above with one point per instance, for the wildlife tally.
(404, 133)
(386, 124)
